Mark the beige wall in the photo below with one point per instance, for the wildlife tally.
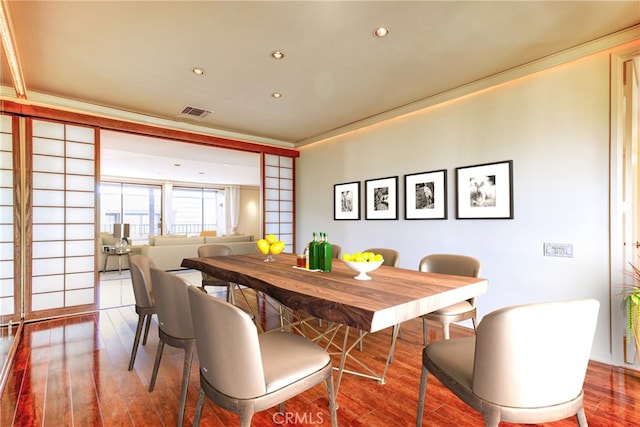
(553, 124)
(249, 220)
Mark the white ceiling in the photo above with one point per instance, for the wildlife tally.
(137, 56)
(132, 156)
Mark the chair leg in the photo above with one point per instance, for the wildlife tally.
(146, 331)
(360, 343)
(156, 365)
(136, 340)
(425, 328)
(423, 389)
(231, 299)
(186, 371)
(332, 401)
(491, 416)
(581, 417)
(198, 414)
(445, 329)
(245, 411)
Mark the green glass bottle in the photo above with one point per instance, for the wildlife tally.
(314, 255)
(321, 251)
(326, 254)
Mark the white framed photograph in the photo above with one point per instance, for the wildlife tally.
(381, 197)
(485, 191)
(346, 201)
(426, 195)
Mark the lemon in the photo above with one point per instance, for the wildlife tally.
(263, 246)
(378, 257)
(277, 247)
(346, 257)
(271, 239)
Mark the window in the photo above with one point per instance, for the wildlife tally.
(138, 205)
(196, 209)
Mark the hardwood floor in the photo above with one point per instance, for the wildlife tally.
(73, 372)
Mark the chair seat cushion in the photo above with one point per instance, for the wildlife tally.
(454, 309)
(454, 358)
(288, 358)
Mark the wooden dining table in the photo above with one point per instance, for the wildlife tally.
(392, 296)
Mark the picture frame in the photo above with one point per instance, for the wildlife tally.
(346, 201)
(485, 191)
(381, 198)
(426, 195)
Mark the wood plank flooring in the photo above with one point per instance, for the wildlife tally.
(73, 372)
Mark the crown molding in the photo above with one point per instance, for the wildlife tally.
(37, 99)
(604, 43)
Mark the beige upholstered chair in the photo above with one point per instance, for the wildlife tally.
(211, 250)
(174, 326)
(246, 372)
(459, 265)
(391, 256)
(526, 363)
(139, 267)
(335, 250)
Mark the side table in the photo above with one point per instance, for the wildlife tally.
(119, 253)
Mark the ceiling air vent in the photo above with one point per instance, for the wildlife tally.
(198, 113)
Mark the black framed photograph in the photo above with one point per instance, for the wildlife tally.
(485, 191)
(346, 201)
(381, 198)
(426, 195)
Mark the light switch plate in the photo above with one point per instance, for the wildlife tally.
(564, 250)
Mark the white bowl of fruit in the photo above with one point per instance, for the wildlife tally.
(363, 263)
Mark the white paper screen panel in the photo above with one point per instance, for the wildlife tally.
(278, 198)
(63, 256)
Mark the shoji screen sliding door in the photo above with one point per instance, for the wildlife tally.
(61, 183)
(279, 198)
(9, 245)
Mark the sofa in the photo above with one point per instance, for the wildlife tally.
(167, 252)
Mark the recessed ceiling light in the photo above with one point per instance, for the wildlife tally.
(276, 54)
(276, 95)
(381, 32)
(197, 71)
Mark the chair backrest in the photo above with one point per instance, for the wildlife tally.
(335, 250)
(228, 346)
(391, 256)
(139, 268)
(172, 304)
(211, 250)
(534, 355)
(458, 265)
